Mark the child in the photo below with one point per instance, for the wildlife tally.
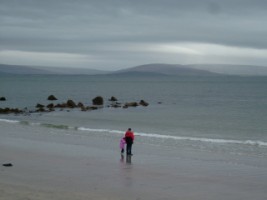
(122, 144)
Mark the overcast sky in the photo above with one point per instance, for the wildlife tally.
(116, 34)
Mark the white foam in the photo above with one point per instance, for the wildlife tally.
(222, 141)
(9, 121)
(153, 135)
(100, 130)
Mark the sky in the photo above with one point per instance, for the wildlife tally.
(117, 34)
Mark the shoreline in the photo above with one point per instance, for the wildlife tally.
(59, 165)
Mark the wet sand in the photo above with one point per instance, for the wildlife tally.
(61, 166)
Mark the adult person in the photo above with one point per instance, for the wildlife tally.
(129, 138)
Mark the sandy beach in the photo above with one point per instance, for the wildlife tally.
(65, 165)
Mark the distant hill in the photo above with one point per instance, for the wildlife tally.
(144, 70)
(21, 69)
(246, 70)
(18, 69)
(164, 69)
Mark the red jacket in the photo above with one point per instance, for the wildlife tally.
(129, 134)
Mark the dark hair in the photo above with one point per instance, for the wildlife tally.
(129, 129)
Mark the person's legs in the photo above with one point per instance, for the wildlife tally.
(130, 148)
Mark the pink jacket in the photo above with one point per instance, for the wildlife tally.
(122, 143)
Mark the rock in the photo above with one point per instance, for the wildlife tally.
(113, 99)
(71, 104)
(83, 108)
(4, 110)
(51, 98)
(10, 110)
(98, 101)
(93, 108)
(116, 106)
(80, 105)
(143, 103)
(7, 164)
(50, 106)
(16, 110)
(39, 105)
(2, 98)
(41, 110)
(131, 104)
(63, 105)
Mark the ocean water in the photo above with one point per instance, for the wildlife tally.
(217, 114)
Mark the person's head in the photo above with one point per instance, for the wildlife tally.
(129, 129)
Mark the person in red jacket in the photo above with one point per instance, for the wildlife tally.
(129, 138)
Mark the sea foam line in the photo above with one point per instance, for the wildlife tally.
(152, 135)
(209, 140)
(9, 121)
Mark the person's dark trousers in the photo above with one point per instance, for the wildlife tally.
(129, 143)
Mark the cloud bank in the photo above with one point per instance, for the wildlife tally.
(116, 34)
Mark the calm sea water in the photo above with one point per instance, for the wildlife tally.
(226, 113)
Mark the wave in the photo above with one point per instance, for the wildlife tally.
(148, 135)
(9, 121)
(209, 140)
(56, 126)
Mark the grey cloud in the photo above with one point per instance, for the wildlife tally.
(88, 26)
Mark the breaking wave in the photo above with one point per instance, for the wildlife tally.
(148, 135)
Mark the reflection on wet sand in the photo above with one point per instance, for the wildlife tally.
(128, 158)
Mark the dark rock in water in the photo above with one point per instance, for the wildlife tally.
(39, 106)
(51, 109)
(116, 105)
(63, 105)
(41, 110)
(83, 108)
(131, 104)
(51, 98)
(4, 110)
(71, 104)
(2, 98)
(98, 101)
(16, 110)
(80, 105)
(10, 110)
(8, 165)
(113, 99)
(50, 106)
(143, 103)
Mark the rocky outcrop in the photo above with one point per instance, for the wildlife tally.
(98, 101)
(113, 99)
(143, 103)
(130, 104)
(71, 104)
(10, 110)
(39, 105)
(80, 105)
(2, 98)
(8, 165)
(50, 106)
(51, 98)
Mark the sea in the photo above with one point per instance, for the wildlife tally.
(224, 114)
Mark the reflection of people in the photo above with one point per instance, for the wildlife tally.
(129, 159)
(122, 157)
(129, 138)
(122, 144)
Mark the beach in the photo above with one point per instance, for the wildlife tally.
(199, 138)
(65, 165)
